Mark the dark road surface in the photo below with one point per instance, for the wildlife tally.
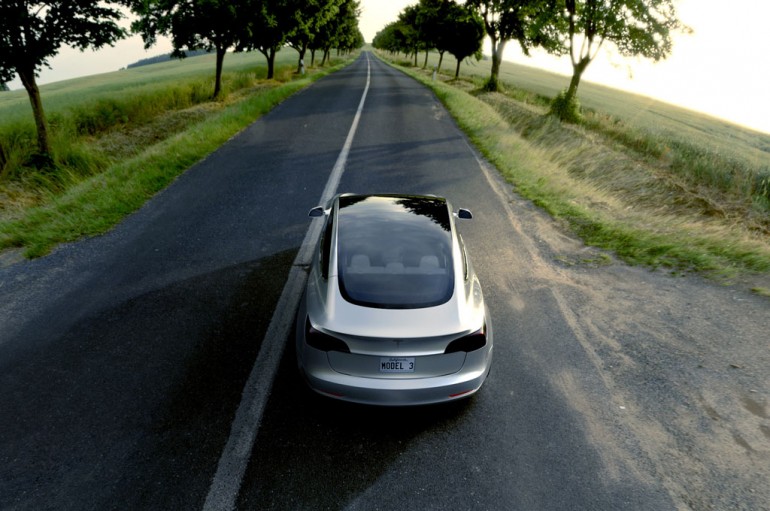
(123, 357)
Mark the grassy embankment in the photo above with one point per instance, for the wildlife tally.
(656, 184)
(121, 137)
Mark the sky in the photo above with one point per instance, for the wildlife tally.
(722, 68)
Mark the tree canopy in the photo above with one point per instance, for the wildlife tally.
(304, 20)
(577, 28)
(525, 21)
(461, 34)
(263, 30)
(192, 25)
(31, 33)
(442, 25)
(340, 31)
(635, 27)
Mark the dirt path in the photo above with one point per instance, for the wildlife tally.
(687, 361)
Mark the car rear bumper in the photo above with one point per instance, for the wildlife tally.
(396, 391)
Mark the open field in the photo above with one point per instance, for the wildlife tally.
(656, 193)
(134, 132)
(58, 96)
(656, 184)
(644, 113)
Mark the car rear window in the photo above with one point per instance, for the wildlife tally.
(394, 252)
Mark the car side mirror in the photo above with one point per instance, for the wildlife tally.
(464, 214)
(317, 211)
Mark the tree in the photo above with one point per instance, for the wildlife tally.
(304, 20)
(193, 25)
(430, 16)
(409, 31)
(636, 27)
(340, 31)
(388, 38)
(461, 34)
(264, 30)
(4, 87)
(522, 20)
(31, 33)
(396, 37)
(353, 42)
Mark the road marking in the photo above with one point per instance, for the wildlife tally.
(226, 484)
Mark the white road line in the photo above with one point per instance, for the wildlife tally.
(226, 484)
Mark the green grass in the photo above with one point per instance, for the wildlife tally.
(105, 172)
(92, 105)
(655, 184)
(618, 195)
(645, 114)
(14, 105)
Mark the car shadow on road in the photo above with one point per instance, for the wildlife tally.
(129, 406)
(314, 452)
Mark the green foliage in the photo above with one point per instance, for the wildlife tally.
(525, 21)
(522, 21)
(492, 84)
(636, 28)
(541, 167)
(440, 24)
(90, 191)
(567, 108)
(461, 32)
(304, 19)
(194, 25)
(340, 31)
(761, 187)
(88, 109)
(32, 32)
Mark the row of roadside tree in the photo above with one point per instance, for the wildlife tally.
(32, 32)
(578, 28)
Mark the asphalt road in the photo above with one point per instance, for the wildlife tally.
(123, 357)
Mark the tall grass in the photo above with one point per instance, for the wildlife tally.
(725, 165)
(651, 197)
(736, 177)
(82, 111)
(114, 151)
(90, 106)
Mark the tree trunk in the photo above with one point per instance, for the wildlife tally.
(221, 51)
(497, 57)
(577, 74)
(312, 57)
(415, 58)
(301, 61)
(269, 54)
(425, 64)
(440, 60)
(271, 64)
(3, 159)
(457, 71)
(27, 77)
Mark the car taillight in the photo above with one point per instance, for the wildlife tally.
(471, 342)
(323, 342)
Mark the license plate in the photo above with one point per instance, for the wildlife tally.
(397, 364)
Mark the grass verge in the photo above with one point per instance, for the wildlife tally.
(612, 198)
(93, 205)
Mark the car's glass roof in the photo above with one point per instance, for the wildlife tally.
(395, 251)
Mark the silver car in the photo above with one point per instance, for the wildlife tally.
(393, 312)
